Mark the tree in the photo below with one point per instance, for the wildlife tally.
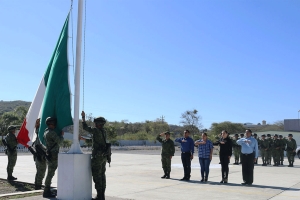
(191, 120)
(232, 128)
(67, 143)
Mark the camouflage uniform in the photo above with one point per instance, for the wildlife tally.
(12, 143)
(40, 164)
(276, 150)
(167, 152)
(264, 145)
(270, 150)
(53, 141)
(98, 161)
(236, 151)
(291, 146)
(283, 144)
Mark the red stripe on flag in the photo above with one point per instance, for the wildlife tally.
(23, 135)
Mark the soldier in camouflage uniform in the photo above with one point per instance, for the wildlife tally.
(283, 144)
(241, 136)
(276, 150)
(98, 159)
(53, 142)
(40, 161)
(167, 152)
(264, 147)
(11, 151)
(255, 136)
(270, 149)
(291, 147)
(236, 149)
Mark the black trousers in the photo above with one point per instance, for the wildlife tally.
(248, 167)
(224, 166)
(186, 162)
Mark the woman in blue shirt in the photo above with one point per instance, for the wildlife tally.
(205, 150)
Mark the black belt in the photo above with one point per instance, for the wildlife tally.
(248, 154)
(186, 152)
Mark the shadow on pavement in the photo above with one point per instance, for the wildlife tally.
(236, 184)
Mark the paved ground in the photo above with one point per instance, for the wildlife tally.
(136, 175)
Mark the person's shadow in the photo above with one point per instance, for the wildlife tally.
(236, 184)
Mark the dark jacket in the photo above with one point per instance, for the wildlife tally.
(225, 149)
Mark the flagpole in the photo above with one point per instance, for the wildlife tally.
(75, 148)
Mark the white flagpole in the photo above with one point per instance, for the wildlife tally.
(75, 148)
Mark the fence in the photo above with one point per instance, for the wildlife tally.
(62, 149)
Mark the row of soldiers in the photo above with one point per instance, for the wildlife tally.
(270, 147)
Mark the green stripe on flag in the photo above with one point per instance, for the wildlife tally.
(57, 99)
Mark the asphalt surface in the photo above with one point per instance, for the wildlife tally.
(135, 174)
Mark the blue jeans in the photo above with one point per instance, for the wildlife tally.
(204, 164)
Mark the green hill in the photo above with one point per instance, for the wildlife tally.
(7, 106)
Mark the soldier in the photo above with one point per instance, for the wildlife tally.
(236, 149)
(291, 146)
(270, 149)
(40, 161)
(11, 152)
(255, 136)
(241, 136)
(264, 147)
(167, 152)
(283, 144)
(276, 150)
(53, 142)
(99, 158)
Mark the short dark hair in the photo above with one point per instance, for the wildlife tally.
(249, 130)
(187, 131)
(225, 131)
(204, 134)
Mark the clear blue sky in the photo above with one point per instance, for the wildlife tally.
(233, 60)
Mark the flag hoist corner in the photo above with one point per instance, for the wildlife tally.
(53, 97)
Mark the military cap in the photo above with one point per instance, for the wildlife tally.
(290, 135)
(51, 120)
(263, 135)
(280, 136)
(255, 134)
(167, 133)
(242, 134)
(268, 135)
(236, 134)
(275, 135)
(100, 120)
(10, 128)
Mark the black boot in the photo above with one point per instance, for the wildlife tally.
(164, 176)
(292, 164)
(281, 163)
(37, 187)
(47, 193)
(168, 175)
(11, 178)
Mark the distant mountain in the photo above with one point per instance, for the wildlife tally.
(7, 106)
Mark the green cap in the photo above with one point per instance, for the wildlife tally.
(51, 120)
(290, 135)
(100, 120)
(263, 135)
(167, 133)
(11, 127)
(275, 135)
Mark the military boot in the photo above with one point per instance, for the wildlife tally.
(47, 193)
(281, 163)
(37, 187)
(103, 195)
(164, 176)
(11, 178)
(168, 175)
(292, 163)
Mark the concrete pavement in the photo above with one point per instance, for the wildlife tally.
(137, 176)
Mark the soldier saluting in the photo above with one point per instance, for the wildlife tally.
(167, 152)
(99, 154)
(11, 151)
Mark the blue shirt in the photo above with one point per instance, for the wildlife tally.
(204, 149)
(187, 146)
(248, 148)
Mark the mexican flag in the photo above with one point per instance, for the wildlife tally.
(53, 97)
